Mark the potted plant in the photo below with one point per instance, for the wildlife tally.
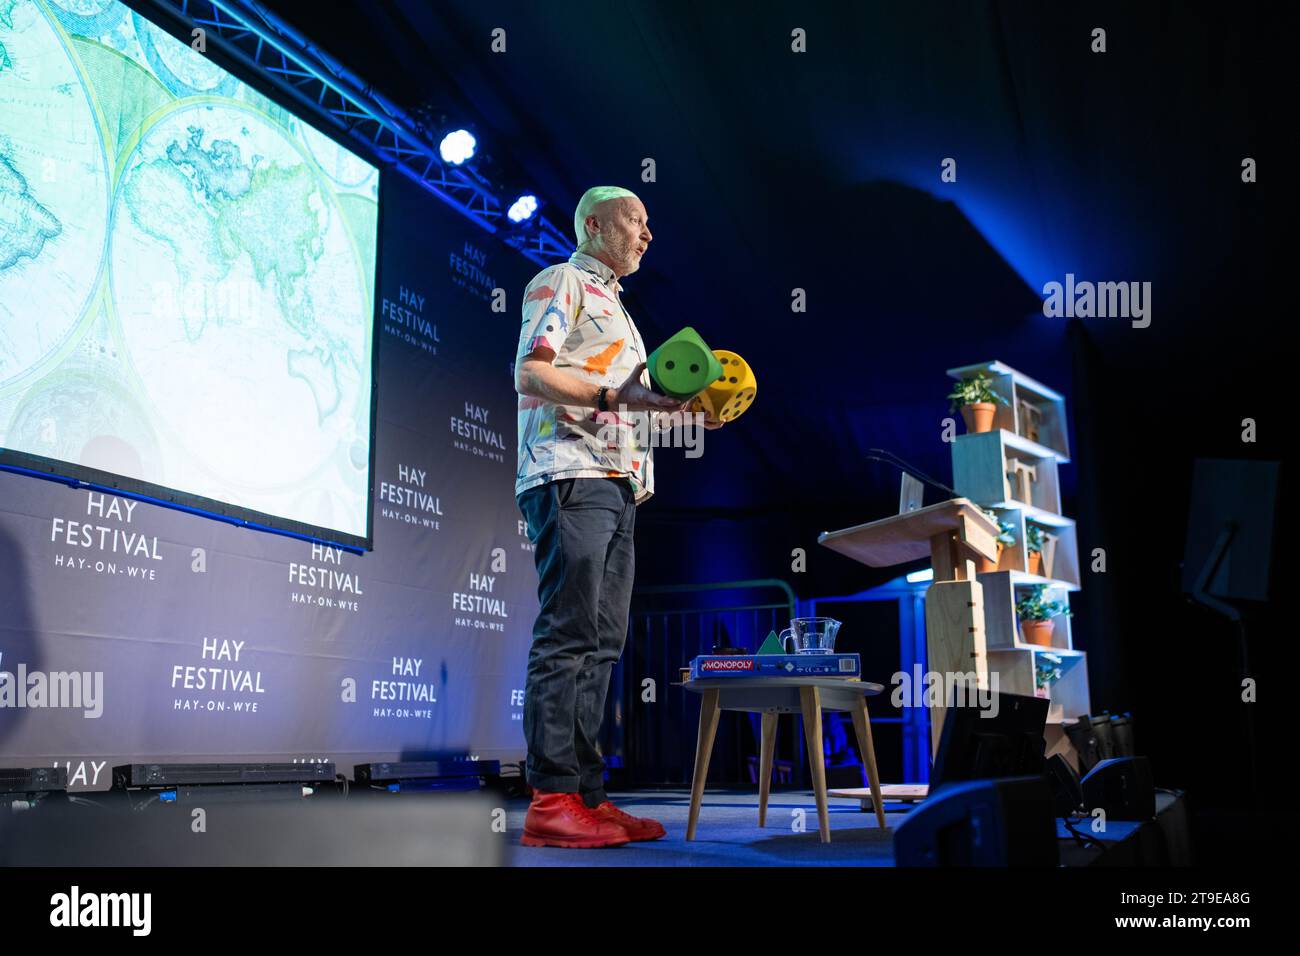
(1034, 545)
(977, 401)
(1047, 669)
(1006, 538)
(1036, 611)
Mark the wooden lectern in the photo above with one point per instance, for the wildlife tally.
(953, 534)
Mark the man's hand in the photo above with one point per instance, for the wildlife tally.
(635, 397)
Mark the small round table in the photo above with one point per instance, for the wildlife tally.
(771, 697)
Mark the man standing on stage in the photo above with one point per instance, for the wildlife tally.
(579, 371)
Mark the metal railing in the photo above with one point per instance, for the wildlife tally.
(651, 728)
(651, 725)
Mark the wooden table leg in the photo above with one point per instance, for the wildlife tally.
(765, 765)
(811, 702)
(703, 750)
(862, 726)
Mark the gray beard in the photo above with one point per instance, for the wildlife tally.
(626, 256)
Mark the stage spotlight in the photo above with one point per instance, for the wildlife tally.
(457, 146)
(523, 208)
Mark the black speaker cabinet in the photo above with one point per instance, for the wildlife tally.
(1121, 731)
(1101, 729)
(1067, 789)
(1003, 822)
(1122, 787)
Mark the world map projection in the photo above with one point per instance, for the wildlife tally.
(187, 272)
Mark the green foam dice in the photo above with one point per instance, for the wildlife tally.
(683, 366)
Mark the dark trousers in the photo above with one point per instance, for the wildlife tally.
(582, 529)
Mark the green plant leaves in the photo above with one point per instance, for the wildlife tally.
(973, 390)
(1035, 606)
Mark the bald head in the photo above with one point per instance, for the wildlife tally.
(610, 224)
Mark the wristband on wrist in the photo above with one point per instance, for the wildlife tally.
(601, 404)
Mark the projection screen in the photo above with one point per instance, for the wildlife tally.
(187, 279)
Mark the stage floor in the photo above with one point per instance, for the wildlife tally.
(449, 829)
(728, 833)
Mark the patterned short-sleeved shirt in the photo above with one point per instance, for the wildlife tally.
(573, 309)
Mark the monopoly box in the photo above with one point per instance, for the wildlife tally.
(775, 665)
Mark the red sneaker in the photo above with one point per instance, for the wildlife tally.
(562, 819)
(638, 828)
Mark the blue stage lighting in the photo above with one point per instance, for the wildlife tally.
(523, 208)
(457, 146)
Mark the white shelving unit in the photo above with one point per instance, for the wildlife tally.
(1068, 697)
(1013, 471)
(994, 469)
(1034, 415)
(1060, 566)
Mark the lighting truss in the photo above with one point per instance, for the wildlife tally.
(334, 97)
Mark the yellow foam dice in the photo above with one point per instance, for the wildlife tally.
(729, 396)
